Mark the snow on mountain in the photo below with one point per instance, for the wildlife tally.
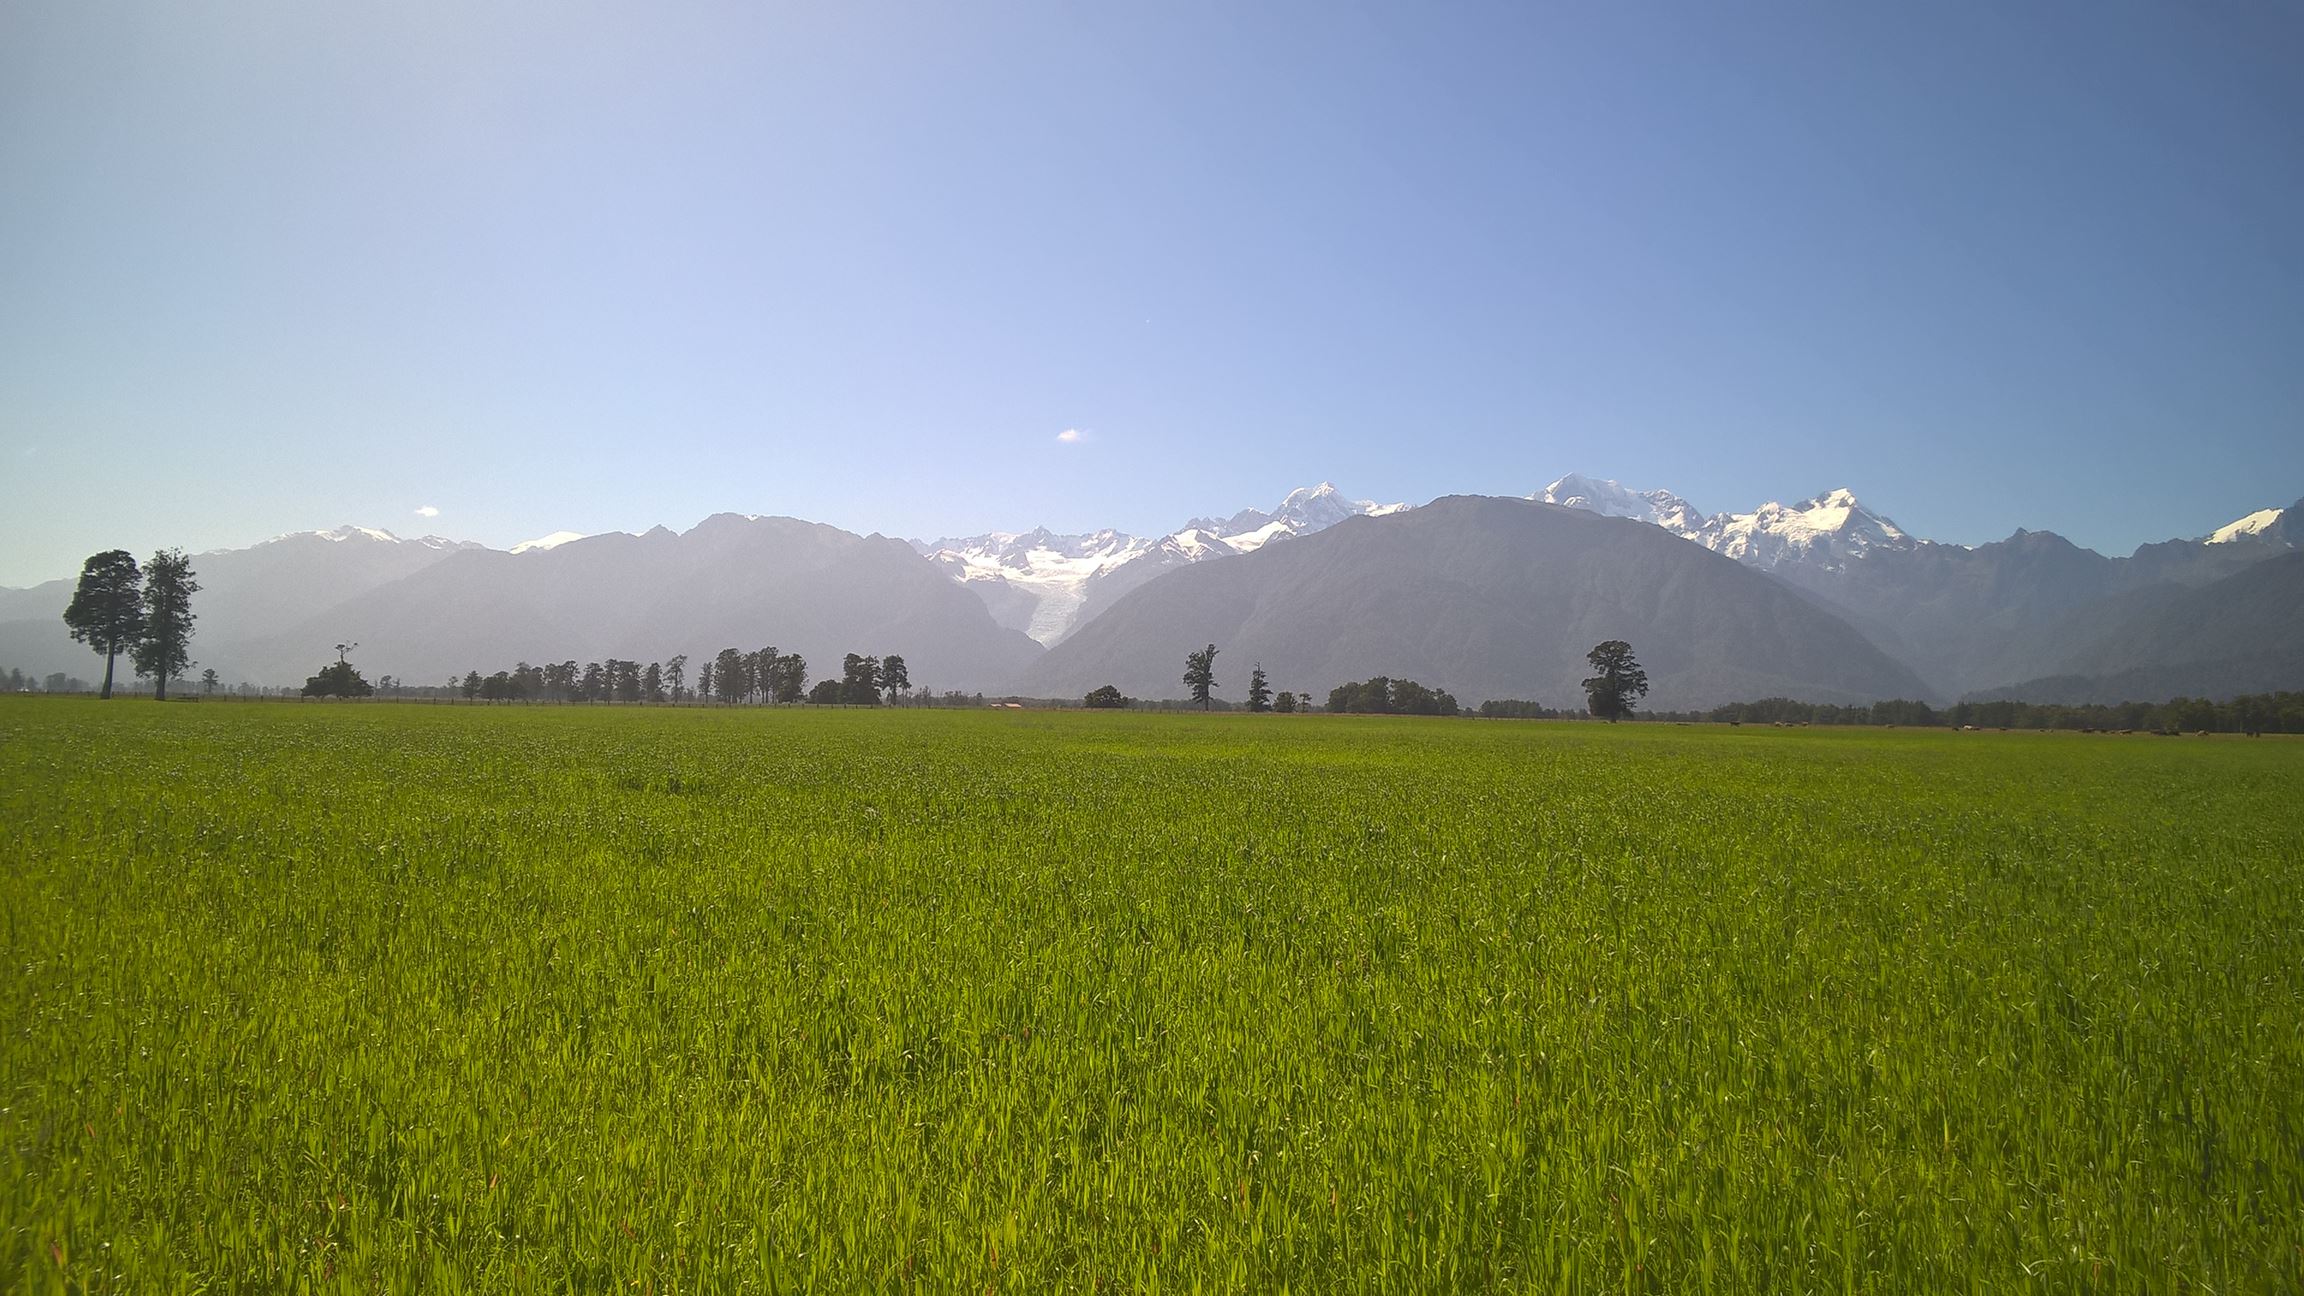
(2256, 523)
(552, 541)
(348, 532)
(1660, 508)
(1040, 582)
(1824, 532)
(1035, 580)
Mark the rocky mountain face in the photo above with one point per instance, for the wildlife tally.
(1487, 598)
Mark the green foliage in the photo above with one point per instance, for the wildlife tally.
(1617, 683)
(1106, 697)
(399, 998)
(107, 608)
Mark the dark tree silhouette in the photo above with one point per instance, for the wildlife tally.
(1617, 684)
(860, 680)
(1259, 692)
(1106, 698)
(107, 609)
(165, 648)
(337, 679)
(1200, 674)
(893, 677)
(676, 676)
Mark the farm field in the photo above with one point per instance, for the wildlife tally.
(389, 998)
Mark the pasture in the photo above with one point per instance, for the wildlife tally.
(390, 997)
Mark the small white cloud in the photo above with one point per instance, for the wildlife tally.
(1071, 436)
(427, 511)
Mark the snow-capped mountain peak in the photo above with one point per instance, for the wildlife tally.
(349, 534)
(1825, 531)
(1040, 581)
(2255, 524)
(552, 541)
(1609, 499)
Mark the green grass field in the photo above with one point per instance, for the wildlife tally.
(392, 998)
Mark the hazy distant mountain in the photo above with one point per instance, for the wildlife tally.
(242, 591)
(2241, 634)
(422, 609)
(1048, 585)
(731, 581)
(1487, 598)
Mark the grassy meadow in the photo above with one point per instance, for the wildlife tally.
(395, 998)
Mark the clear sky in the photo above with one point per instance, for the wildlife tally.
(276, 266)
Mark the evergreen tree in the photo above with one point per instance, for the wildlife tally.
(107, 609)
(1200, 674)
(165, 648)
(1259, 692)
(728, 676)
(676, 676)
(893, 677)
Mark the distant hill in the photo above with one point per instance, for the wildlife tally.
(730, 581)
(269, 614)
(261, 588)
(2241, 634)
(1485, 597)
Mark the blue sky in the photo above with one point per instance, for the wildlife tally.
(267, 267)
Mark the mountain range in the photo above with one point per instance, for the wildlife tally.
(1486, 596)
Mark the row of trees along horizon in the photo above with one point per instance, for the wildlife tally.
(145, 612)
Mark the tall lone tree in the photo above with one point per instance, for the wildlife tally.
(1259, 692)
(894, 679)
(166, 648)
(1618, 682)
(107, 610)
(1200, 674)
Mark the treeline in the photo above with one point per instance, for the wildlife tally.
(732, 676)
(2250, 714)
(1384, 695)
